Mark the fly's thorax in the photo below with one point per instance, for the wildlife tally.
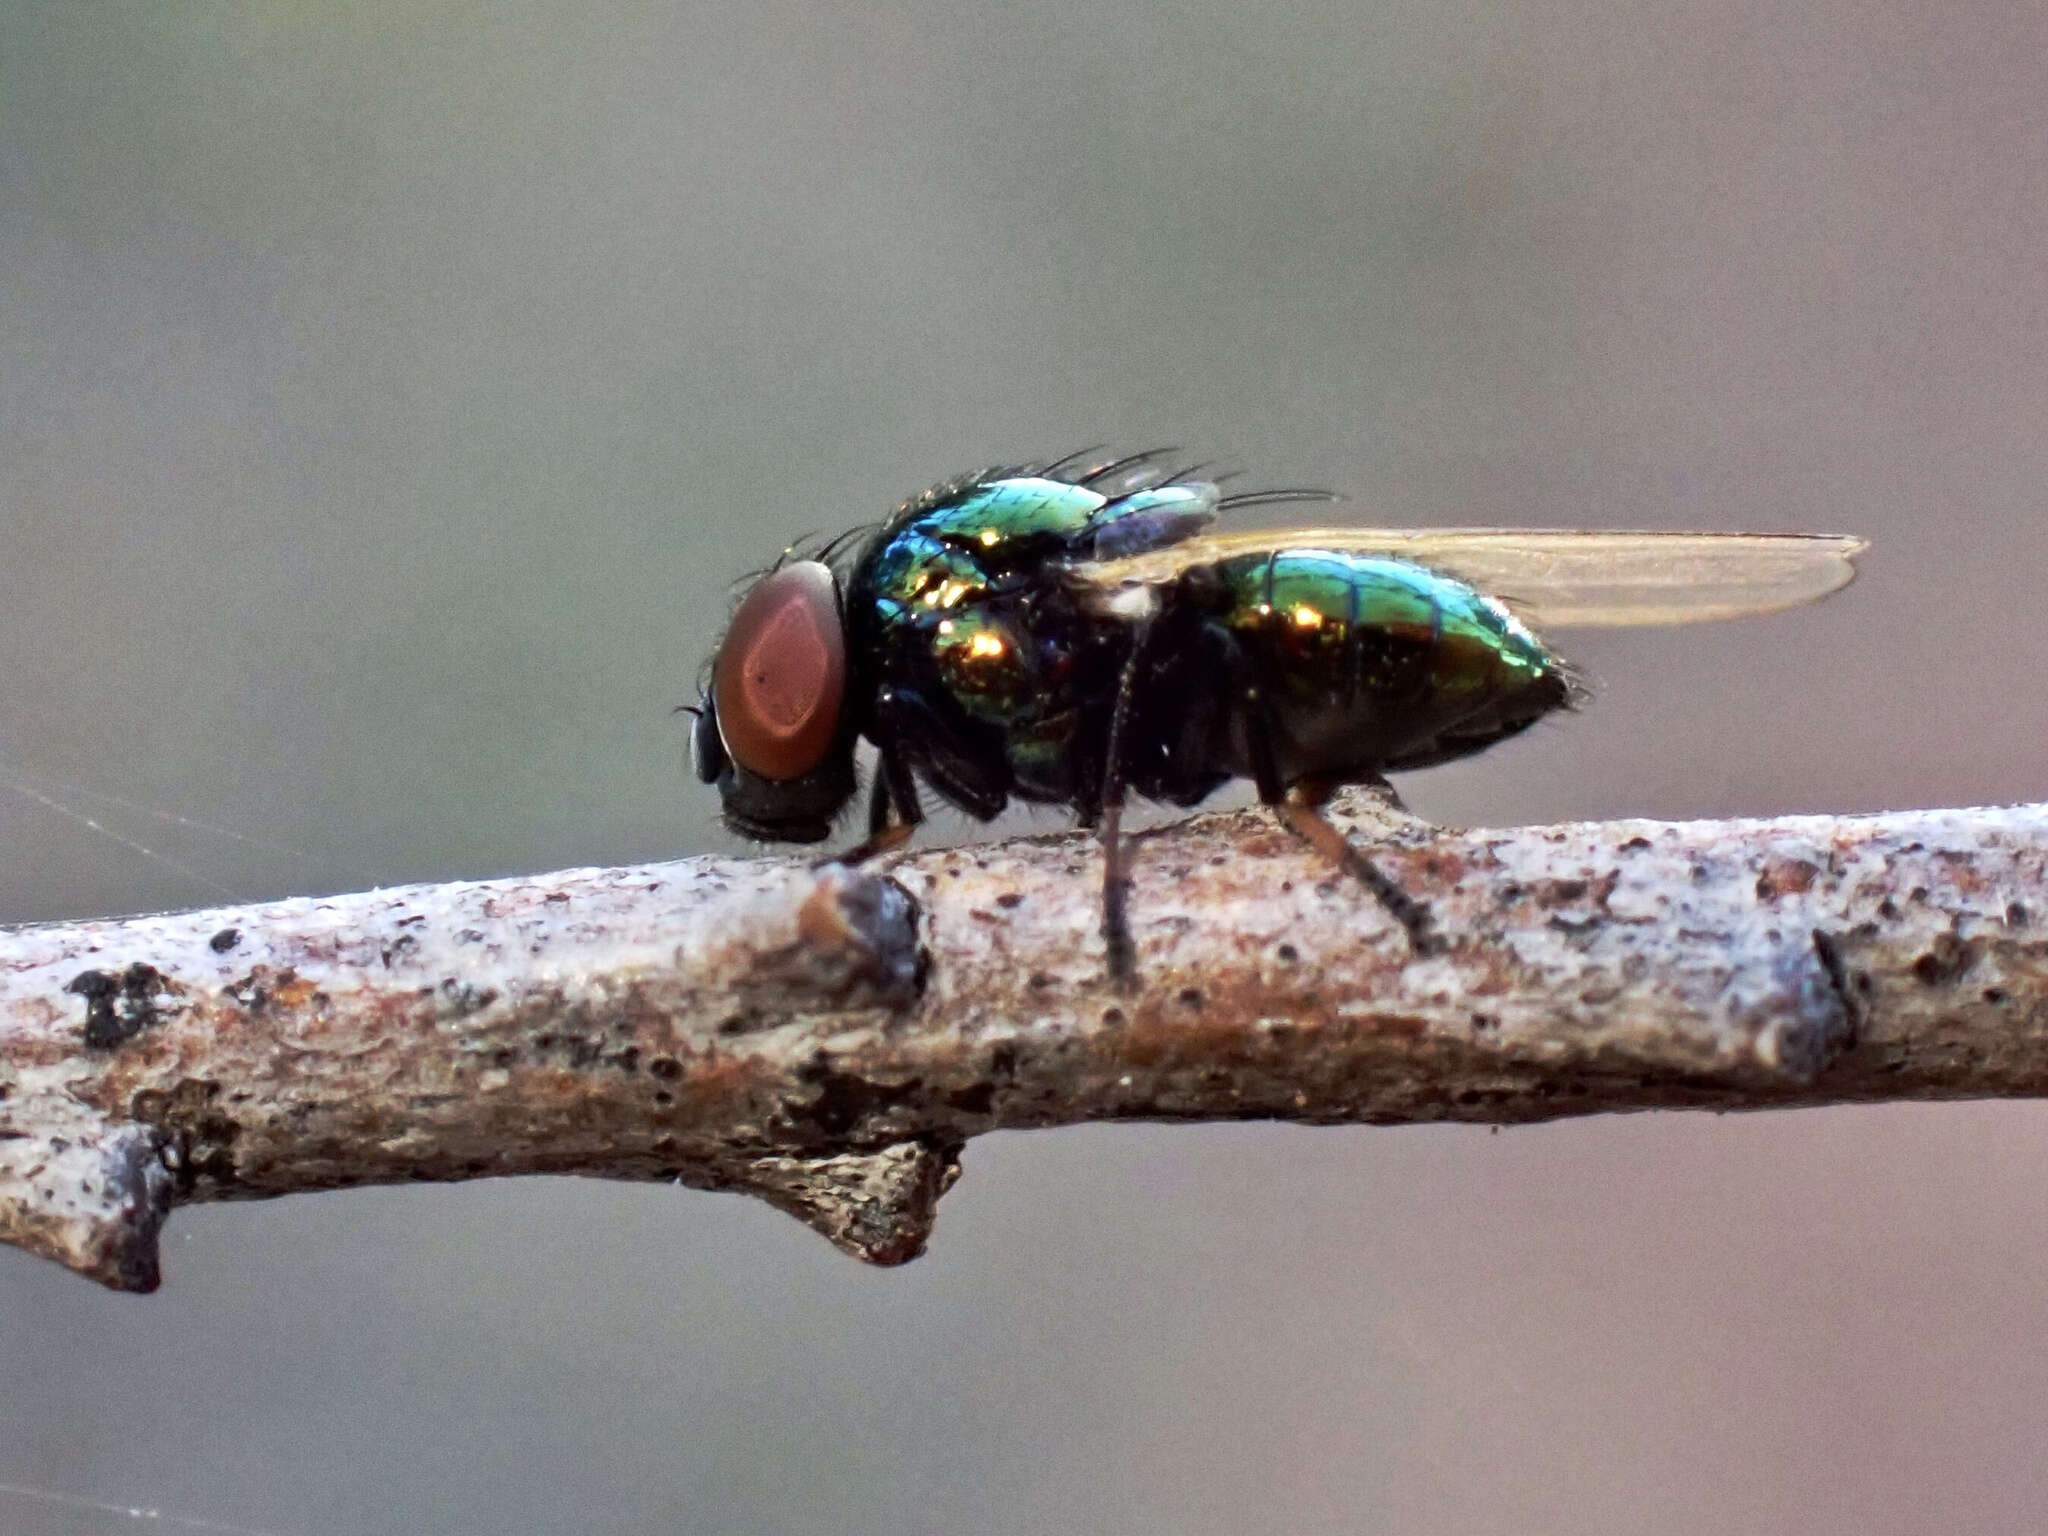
(958, 608)
(1005, 521)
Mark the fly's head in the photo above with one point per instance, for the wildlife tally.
(774, 730)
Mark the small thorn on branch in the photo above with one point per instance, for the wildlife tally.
(877, 1206)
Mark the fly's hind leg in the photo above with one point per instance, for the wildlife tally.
(1299, 807)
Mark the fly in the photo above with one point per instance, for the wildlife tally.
(1076, 632)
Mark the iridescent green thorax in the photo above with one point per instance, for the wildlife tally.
(949, 557)
(955, 598)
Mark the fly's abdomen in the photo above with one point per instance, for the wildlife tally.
(1364, 664)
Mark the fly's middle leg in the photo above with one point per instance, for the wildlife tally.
(1118, 950)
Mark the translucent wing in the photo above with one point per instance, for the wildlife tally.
(1555, 577)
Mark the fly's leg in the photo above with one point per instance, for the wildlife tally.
(894, 786)
(1299, 808)
(1116, 881)
(973, 775)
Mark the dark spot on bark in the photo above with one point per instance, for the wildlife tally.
(1946, 959)
(404, 944)
(225, 940)
(665, 1145)
(1635, 845)
(667, 1068)
(1993, 995)
(1040, 982)
(1564, 890)
(1287, 954)
(1002, 1062)
(1010, 900)
(1888, 910)
(1113, 1017)
(978, 1100)
(118, 1008)
(1482, 1022)
(845, 1103)
(197, 1138)
(558, 896)
(1785, 877)
(1917, 894)
(663, 1096)
(1191, 997)
(2015, 914)
(982, 915)
(504, 1056)
(466, 997)
(627, 1060)
(470, 936)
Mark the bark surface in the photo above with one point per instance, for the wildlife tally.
(828, 1040)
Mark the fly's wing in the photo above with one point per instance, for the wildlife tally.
(1553, 577)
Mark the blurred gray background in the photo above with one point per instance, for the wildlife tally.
(389, 393)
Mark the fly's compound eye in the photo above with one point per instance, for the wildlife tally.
(780, 679)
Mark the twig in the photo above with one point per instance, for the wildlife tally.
(829, 1041)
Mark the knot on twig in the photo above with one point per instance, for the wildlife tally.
(856, 946)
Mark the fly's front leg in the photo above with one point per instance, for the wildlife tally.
(1299, 807)
(894, 786)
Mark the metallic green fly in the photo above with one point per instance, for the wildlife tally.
(1075, 632)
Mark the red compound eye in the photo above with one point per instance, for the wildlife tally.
(780, 677)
